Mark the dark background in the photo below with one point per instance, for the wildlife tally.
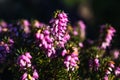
(93, 12)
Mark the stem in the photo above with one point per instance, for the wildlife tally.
(69, 75)
(70, 78)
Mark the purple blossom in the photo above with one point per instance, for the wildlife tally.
(46, 41)
(3, 26)
(111, 64)
(71, 61)
(59, 28)
(14, 30)
(24, 76)
(25, 28)
(117, 71)
(105, 77)
(36, 23)
(108, 71)
(81, 44)
(82, 27)
(24, 60)
(75, 33)
(109, 35)
(64, 52)
(27, 54)
(27, 76)
(35, 74)
(116, 54)
(5, 49)
(96, 64)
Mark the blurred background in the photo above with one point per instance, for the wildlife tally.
(93, 12)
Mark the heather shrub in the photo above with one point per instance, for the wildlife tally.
(32, 50)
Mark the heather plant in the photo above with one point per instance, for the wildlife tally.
(32, 50)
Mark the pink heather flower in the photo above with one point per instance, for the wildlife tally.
(105, 77)
(37, 35)
(109, 35)
(33, 78)
(46, 32)
(11, 41)
(109, 69)
(36, 24)
(46, 41)
(75, 33)
(81, 44)
(26, 23)
(67, 37)
(24, 60)
(35, 74)
(5, 49)
(104, 45)
(111, 64)
(41, 36)
(71, 61)
(64, 52)
(24, 76)
(117, 71)
(3, 24)
(82, 27)
(27, 54)
(25, 27)
(107, 72)
(68, 58)
(96, 64)
(116, 54)
(22, 63)
(59, 29)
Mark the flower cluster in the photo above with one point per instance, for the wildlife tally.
(59, 28)
(27, 76)
(115, 54)
(46, 41)
(5, 49)
(82, 29)
(25, 27)
(71, 60)
(3, 26)
(109, 69)
(117, 71)
(94, 64)
(51, 37)
(109, 35)
(24, 62)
